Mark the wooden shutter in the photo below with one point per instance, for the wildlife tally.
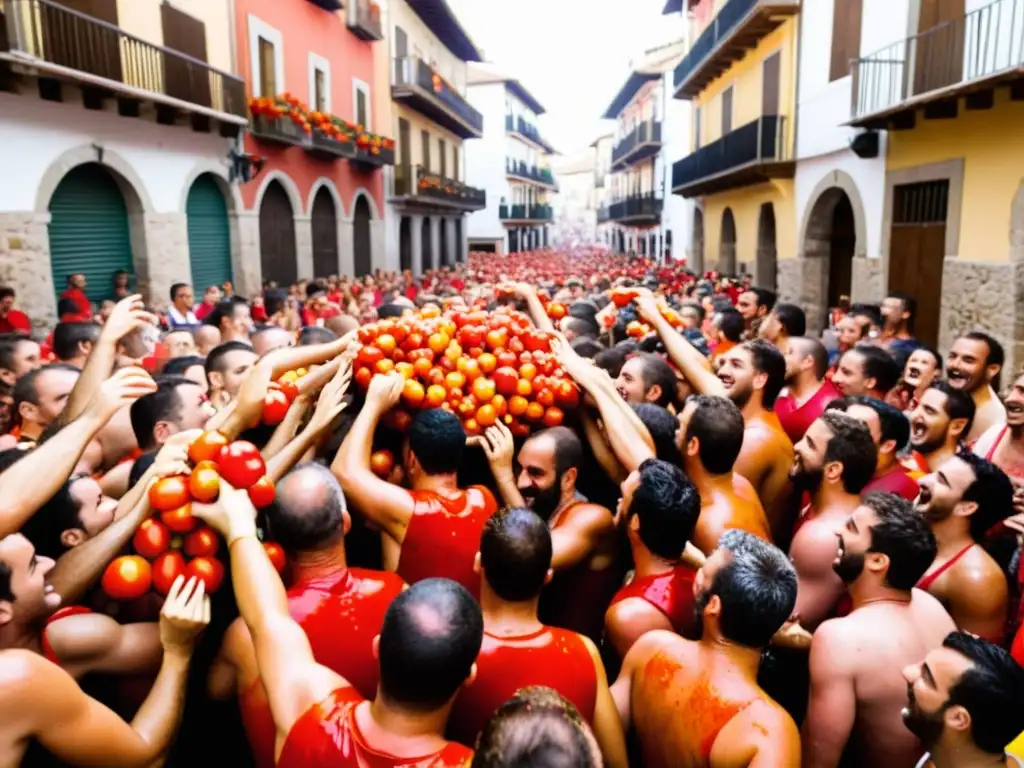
(442, 152)
(185, 80)
(455, 162)
(320, 98)
(425, 140)
(404, 150)
(727, 111)
(268, 69)
(361, 107)
(770, 85)
(846, 25)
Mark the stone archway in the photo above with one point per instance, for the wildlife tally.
(727, 244)
(361, 247)
(765, 266)
(405, 244)
(278, 259)
(697, 245)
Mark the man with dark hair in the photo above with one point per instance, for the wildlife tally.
(191, 367)
(310, 520)
(890, 431)
(857, 689)
(178, 405)
(938, 425)
(179, 313)
(669, 687)
(754, 305)
(807, 391)
(965, 702)
(834, 461)
(226, 369)
(314, 334)
(973, 366)
(584, 535)
(587, 347)
(426, 650)
(11, 319)
(434, 529)
(72, 342)
(784, 322)
(661, 508)
(579, 328)
(710, 440)
(647, 378)
(612, 360)
(518, 650)
(232, 318)
(962, 501)
(866, 370)
(40, 397)
(18, 355)
(899, 311)
(728, 326)
(923, 368)
(76, 513)
(850, 331)
(663, 427)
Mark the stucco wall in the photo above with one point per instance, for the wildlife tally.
(485, 159)
(142, 19)
(423, 43)
(746, 209)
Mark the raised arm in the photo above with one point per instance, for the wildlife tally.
(603, 453)
(498, 445)
(94, 642)
(538, 314)
(832, 706)
(693, 364)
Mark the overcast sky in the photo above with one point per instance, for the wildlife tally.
(572, 55)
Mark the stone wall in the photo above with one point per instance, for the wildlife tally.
(868, 281)
(25, 265)
(245, 259)
(160, 254)
(804, 282)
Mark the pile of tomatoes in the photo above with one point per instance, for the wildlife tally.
(280, 396)
(480, 366)
(175, 542)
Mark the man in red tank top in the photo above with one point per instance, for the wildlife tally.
(662, 507)
(584, 535)
(426, 649)
(889, 430)
(309, 520)
(807, 391)
(518, 650)
(433, 530)
(941, 420)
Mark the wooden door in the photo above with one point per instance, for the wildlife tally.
(324, 222)
(770, 85)
(939, 59)
(277, 236)
(727, 112)
(361, 246)
(183, 79)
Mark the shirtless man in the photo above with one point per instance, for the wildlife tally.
(584, 536)
(40, 702)
(965, 702)
(807, 391)
(940, 422)
(646, 378)
(857, 689)
(973, 366)
(518, 650)
(962, 501)
(834, 461)
(866, 370)
(698, 703)
(711, 437)
(1003, 444)
(924, 366)
(889, 430)
(433, 530)
(309, 519)
(426, 651)
(661, 507)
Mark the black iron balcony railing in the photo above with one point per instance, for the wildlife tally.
(986, 44)
(523, 212)
(416, 183)
(520, 170)
(64, 43)
(603, 214)
(640, 144)
(416, 83)
(517, 125)
(737, 27)
(636, 207)
(363, 20)
(321, 146)
(752, 153)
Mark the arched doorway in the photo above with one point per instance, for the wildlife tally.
(832, 235)
(622, 242)
(405, 244)
(459, 255)
(89, 231)
(727, 244)
(427, 244)
(513, 240)
(361, 237)
(698, 241)
(209, 235)
(277, 236)
(765, 267)
(324, 219)
(446, 257)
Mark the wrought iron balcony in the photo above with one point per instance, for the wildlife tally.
(527, 132)
(363, 19)
(414, 184)
(603, 214)
(328, 148)
(642, 143)
(637, 209)
(520, 171)
(751, 154)
(417, 85)
(45, 39)
(522, 212)
(738, 27)
(968, 55)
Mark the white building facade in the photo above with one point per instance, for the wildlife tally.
(577, 203)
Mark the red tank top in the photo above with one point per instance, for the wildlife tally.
(552, 657)
(795, 419)
(327, 736)
(897, 480)
(63, 613)
(930, 578)
(353, 598)
(443, 536)
(1017, 649)
(671, 593)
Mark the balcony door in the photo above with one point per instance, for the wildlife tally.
(727, 111)
(183, 79)
(770, 85)
(80, 44)
(939, 60)
(401, 51)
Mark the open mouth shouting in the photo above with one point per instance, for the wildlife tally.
(958, 379)
(918, 431)
(726, 379)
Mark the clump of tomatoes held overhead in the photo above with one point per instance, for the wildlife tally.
(481, 366)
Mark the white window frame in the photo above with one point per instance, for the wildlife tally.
(357, 86)
(260, 29)
(318, 63)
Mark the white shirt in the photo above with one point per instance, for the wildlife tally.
(176, 318)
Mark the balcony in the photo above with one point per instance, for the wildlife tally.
(43, 39)
(284, 131)
(527, 133)
(738, 27)
(510, 214)
(363, 19)
(367, 157)
(602, 214)
(517, 170)
(753, 153)
(642, 143)
(414, 185)
(419, 87)
(637, 209)
(965, 57)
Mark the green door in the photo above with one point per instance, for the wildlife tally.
(89, 230)
(209, 239)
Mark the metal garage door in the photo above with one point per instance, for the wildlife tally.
(209, 236)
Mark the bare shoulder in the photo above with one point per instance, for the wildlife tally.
(32, 686)
(927, 608)
(815, 546)
(838, 642)
(763, 733)
(592, 516)
(17, 669)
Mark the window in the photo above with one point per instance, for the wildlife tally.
(441, 153)
(425, 160)
(696, 128)
(266, 58)
(319, 83)
(404, 150)
(846, 26)
(361, 103)
(455, 162)
(268, 82)
(727, 111)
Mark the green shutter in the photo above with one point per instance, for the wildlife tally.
(209, 238)
(89, 230)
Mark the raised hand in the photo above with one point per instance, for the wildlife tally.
(185, 614)
(129, 314)
(331, 401)
(498, 445)
(123, 388)
(385, 390)
(172, 459)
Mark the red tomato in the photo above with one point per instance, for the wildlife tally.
(369, 356)
(471, 336)
(386, 343)
(363, 376)
(382, 462)
(207, 570)
(505, 379)
(486, 415)
(204, 482)
(413, 394)
(487, 362)
(166, 568)
(289, 389)
(240, 464)
(436, 395)
(152, 539)
(262, 493)
(567, 395)
(553, 417)
(557, 310)
(276, 554)
(546, 397)
(536, 341)
(169, 493)
(202, 542)
(179, 520)
(534, 412)
(497, 338)
(483, 390)
(517, 405)
(128, 577)
(508, 359)
(206, 446)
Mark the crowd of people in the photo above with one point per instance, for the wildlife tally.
(747, 545)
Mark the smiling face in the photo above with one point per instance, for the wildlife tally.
(853, 540)
(538, 481)
(965, 365)
(929, 686)
(748, 305)
(737, 374)
(930, 422)
(95, 511)
(921, 369)
(942, 491)
(849, 377)
(1014, 403)
(630, 383)
(808, 468)
(850, 332)
(33, 597)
